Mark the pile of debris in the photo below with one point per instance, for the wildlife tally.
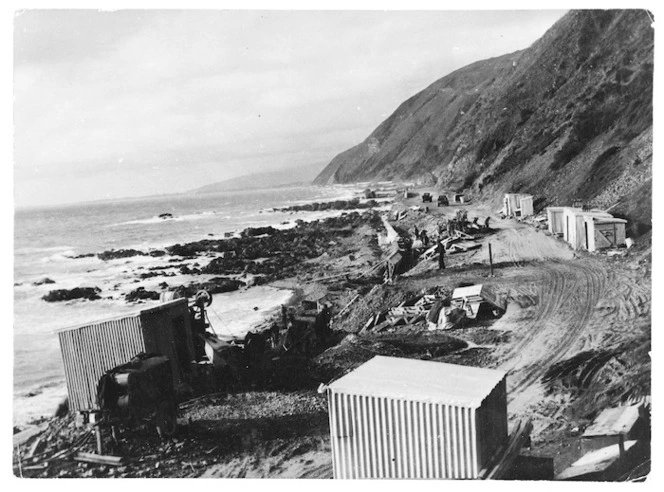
(440, 311)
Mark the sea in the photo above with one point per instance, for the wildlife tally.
(47, 241)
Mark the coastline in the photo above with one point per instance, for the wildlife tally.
(281, 429)
(256, 302)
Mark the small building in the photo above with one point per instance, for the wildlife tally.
(90, 350)
(518, 205)
(592, 230)
(556, 219)
(459, 198)
(405, 418)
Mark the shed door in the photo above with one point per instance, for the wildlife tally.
(586, 229)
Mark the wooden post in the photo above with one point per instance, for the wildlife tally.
(621, 445)
(100, 440)
(490, 260)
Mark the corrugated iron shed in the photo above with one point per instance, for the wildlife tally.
(410, 379)
(404, 418)
(89, 350)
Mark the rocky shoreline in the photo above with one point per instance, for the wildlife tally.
(257, 256)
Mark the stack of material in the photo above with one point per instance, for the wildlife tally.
(458, 242)
(474, 297)
(617, 441)
(628, 422)
(407, 313)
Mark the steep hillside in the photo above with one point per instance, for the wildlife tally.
(569, 117)
(282, 177)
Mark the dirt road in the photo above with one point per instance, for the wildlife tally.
(560, 303)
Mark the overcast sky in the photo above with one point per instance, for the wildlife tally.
(133, 103)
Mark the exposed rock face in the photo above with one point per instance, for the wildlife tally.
(569, 117)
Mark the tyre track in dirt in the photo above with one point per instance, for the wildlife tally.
(569, 294)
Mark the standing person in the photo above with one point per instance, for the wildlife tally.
(486, 223)
(417, 233)
(441, 255)
(425, 238)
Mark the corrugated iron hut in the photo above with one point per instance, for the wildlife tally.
(404, 418)
(90, 350)
(518, 204)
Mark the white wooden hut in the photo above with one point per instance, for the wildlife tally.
(404, 418)
(556, 220)
(518, 205)
(592, 230)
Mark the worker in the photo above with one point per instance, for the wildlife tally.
(441, 255)
(417, 233)
(425, 238)
(486, 222)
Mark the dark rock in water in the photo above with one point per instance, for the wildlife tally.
(157, 252)
(163, 285)
(186, 250)
(166, 216)
(141, 294)
(89, 293)
(185, 270)
(335, 205)
(145, 275)
(84, 255)
(258, 231)
(216, 285)
(44, 281)
(120, 253)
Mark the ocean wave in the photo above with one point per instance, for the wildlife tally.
(32, 250)
(165, 220)
(62, 256)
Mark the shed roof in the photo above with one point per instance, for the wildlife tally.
(145, 311)
(418, 380)
(609, 220)
(589, 213)
(613, 421)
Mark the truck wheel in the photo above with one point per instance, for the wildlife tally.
(166, 419)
